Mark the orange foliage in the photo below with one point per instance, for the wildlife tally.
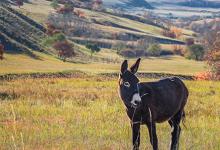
(80, 13)
(168, 33)
(203, 76)
(65, 49)
(64, 10)
(51, 29)
(178, 50)
(177, 31)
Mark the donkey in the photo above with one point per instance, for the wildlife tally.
(148, 103)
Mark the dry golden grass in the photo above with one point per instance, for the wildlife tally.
(86, 113)
(25, 64)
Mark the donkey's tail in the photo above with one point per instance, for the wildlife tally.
(184, 119)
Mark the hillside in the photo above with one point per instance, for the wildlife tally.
(18, 32)
(128, 3)
(200, 4)
(110, 28)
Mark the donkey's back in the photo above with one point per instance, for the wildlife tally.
(165, 97)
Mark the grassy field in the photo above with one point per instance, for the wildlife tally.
(86, 113)
(46, 63)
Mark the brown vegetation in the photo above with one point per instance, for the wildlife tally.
(178, 50)
(1, 51)
(64, 48)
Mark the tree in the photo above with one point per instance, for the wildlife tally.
(66, 9)
(119, 46)
(213, 56)
(190, 41)
(64, 48)
(195, 52)
(55, 4)
(1, 51)
(154, 50)
(19, 3)
(93, 48)
(97, 4)
(50, 40)
(177, 31)
(178, 50)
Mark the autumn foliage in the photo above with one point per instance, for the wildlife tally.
(19, 3)
(173, 32)
(213, 56)
(64, 48)
(51, 30)
(177, 31)
(67, 8)
(80, 13)
(178, 50)
(1, 51)
(203, 76)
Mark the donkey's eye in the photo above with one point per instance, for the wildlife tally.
(127, 84)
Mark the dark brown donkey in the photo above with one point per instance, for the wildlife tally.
(152, 102)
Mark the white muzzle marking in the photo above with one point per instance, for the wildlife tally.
(136, 98)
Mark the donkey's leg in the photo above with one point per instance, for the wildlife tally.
(175, 124)
(153, 135)
(135, 135)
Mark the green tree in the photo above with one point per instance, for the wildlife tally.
(195, 52)
(50, 40)
(154, 50)
(55, 4)
(93, 48)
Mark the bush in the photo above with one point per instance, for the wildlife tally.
(203, 76)
(93, 48)
(213, 60)
(154, 50)
(55, 4)
(1, 51)
(195, 52)
(178, 50)
(54, 38)
(65, 49)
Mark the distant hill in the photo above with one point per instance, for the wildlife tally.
(200, 3)
(129, 3)
(18, 33)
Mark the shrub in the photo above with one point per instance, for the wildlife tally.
(93, 48)
(1, 51)
(55, 4)
(213, 59)
(67, 8)
(54, 38)
(19, 3)
(190, 41)
(177, 31)
(195, 52)
(178, 50)
(168, 33)
(119, 46)
(203, 76)
(64, 48)
(154, 50)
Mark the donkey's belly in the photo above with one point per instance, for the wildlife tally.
(163, 112)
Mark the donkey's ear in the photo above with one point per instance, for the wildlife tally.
(124, 66)
(135, 66)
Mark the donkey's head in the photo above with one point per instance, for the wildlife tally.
(128, 84)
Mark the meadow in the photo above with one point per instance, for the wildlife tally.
(21, 63)
(86, 113)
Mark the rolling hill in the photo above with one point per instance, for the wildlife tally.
(128, 3)
(27, 35)
(18, 33)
